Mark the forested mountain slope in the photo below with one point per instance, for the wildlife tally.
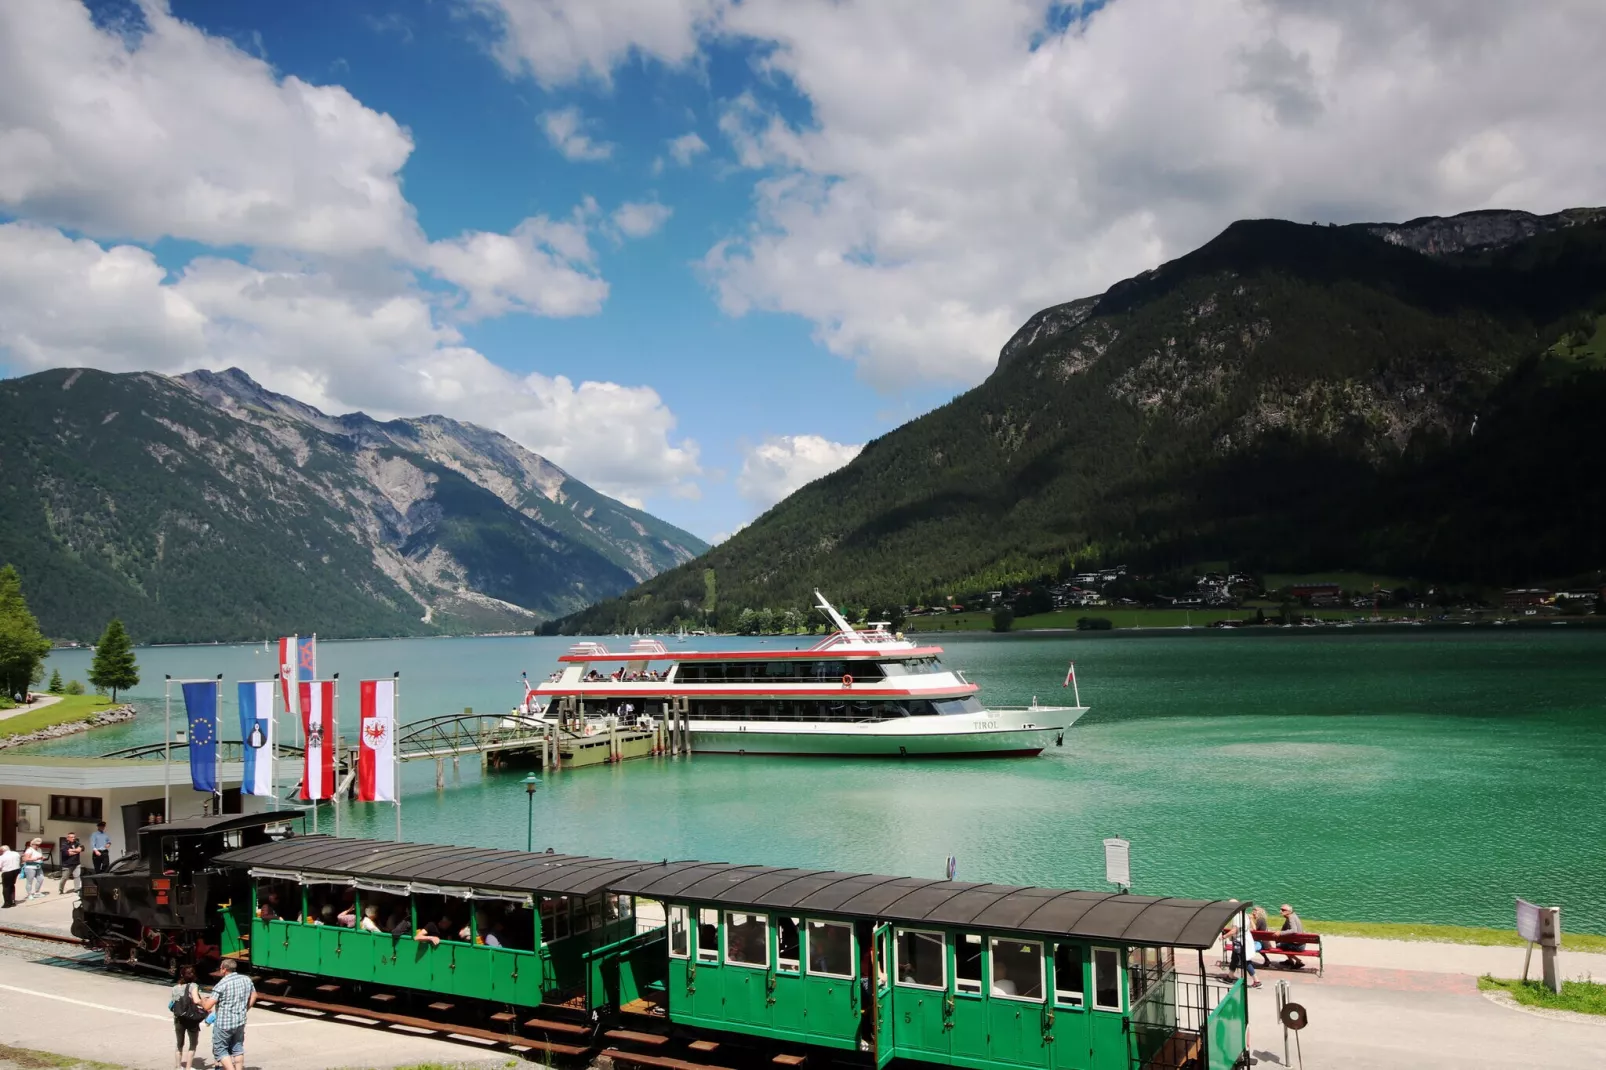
(205, 508)
(1416, 398)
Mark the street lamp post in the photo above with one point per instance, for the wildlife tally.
(529, 825)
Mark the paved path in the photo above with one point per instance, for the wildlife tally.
(39, 703)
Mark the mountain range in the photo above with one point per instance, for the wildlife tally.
(1418, 399)
(204, 506)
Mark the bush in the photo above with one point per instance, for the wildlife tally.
(1094, 624)
(73, 688)
(1003, 619)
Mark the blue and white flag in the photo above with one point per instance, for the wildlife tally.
(200, 706)
(256, 733)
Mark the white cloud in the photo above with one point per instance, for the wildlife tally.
(782, 463)
(955, 174)
(637, 219)
(336, 338)
(686, 147)
(565, 129)
(543, 267)
(176, 133)
(558, 41)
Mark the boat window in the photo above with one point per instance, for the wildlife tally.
(1017, 969)
(786, 945)
(948, 707)
(830, 948)
(747, 938)
(967, 963)
(678, 947)
(1106, 979)
(707, 935)
(1068, 981)
(919, 958)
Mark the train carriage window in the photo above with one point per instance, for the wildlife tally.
(1106, 979)
(1017, 969)
(1068, 981)
(679, 946)
(278, 900)
(707, 934)
(331, 904)
(554, 918)
(967, 963)
(747, 938)
(919, 959)
(830, 948)
(787, 946)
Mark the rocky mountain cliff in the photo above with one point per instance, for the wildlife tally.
(206, 507)
(1413, 399)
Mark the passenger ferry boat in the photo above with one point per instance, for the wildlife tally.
(855, 692)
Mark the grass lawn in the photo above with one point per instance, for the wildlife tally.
(1448, 934)
(1580, 997)
(31, 1059)
(70, 708)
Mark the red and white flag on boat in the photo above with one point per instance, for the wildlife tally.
(319, 722)
(1070, 675)
(376, 760)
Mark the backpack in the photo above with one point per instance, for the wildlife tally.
(187, 1008)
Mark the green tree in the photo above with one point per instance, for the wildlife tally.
(710, 593)
(1003, 619)
(114, 667)
(55, 681)
(22, 645)
(73, 688)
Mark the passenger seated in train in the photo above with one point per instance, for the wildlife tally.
(370, 920)
(433, 932)
(268, 909)
(325, 915)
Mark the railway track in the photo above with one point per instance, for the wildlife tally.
(35, 934)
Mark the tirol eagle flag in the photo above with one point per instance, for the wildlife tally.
(319, 722)
(376, 760)
(200, 708)
(256, 732)
(298, 661)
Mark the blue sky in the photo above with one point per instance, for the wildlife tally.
(474, 206)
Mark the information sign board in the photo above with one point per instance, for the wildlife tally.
(1117, 862)
(1528, 921)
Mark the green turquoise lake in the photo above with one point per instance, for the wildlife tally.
(1424, 776)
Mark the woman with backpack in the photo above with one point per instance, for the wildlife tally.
(188, 1014)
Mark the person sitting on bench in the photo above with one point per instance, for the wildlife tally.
(1291, 924)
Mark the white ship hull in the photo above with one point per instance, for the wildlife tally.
(996, 733)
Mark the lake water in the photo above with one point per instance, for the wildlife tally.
(1419, 776)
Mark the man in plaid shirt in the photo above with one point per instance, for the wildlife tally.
(231, 997)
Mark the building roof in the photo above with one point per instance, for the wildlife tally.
(384, 860)
(1052, 912)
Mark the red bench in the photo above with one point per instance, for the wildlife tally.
(1270, 946)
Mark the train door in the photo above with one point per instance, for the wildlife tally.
(967, 1006)
(1017, 1014)
(920, 993)
(704, 980)
(747, 968)
(1108, 1029)
(882, 1039)
(833, 1010)
(1068, 1024)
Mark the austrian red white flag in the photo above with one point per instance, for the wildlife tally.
(1070, 675)
(376, 760)
(319, 722)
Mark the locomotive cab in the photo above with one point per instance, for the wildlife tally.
(162, 906)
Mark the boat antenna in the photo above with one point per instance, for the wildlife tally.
(830, 611)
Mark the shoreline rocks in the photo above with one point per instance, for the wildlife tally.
(115, 715)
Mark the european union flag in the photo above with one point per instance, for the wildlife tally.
(200, 706)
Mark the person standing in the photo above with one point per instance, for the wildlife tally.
(229, 1001)
(33, 868)
(100, 847)
(10, 866)
(71, 848)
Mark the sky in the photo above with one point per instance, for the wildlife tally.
(698, 252)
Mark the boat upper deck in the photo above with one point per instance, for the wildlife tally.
(861, 646)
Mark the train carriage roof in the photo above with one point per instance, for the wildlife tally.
(1051, 912)
(437, 864)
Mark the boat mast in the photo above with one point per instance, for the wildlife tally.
(836, 618)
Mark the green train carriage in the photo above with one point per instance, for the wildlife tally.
(981, 976)
(564, 937)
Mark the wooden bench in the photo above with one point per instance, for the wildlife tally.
(657, 1062)
(1270, 947)
(652, 1040)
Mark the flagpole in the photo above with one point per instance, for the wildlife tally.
(273, 750)
(1076, 688)
(167, 746)
(217, 747)
(333, 721)
(395, 764)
